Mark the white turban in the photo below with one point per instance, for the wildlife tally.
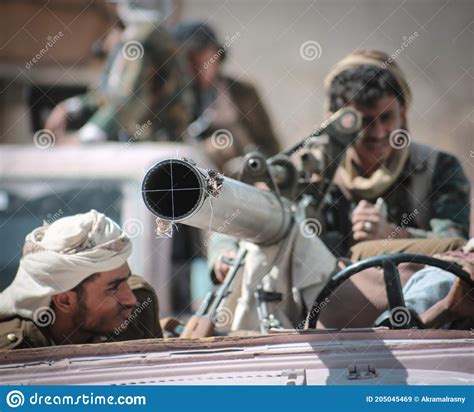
(58, 257)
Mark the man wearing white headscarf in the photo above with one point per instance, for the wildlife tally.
(74, 285)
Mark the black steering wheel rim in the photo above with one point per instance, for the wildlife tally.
(384, 261)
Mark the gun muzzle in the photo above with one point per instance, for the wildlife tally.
(177, 191)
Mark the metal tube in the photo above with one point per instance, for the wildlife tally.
(177, 191)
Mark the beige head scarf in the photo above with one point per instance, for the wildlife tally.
(58, 257)
(347, 176)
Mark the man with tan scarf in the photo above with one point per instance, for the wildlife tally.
(74, 285)
(387, 186)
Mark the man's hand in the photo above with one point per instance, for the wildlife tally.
(220, 268)
(57, 121)
(460, 300)
(369, 223)
(457, 304)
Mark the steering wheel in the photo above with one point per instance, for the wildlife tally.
(399, 316)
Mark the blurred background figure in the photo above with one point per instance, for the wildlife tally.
(142, 93)
(74, 112)
(231, 118)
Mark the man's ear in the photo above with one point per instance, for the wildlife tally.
(65, 302)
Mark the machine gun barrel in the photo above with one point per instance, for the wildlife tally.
(339, 126)
(175, 190)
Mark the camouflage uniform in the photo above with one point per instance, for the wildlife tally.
(430, 199)
(20, 333)
(139, 98)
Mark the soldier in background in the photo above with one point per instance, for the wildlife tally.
(142, 94)
(232, 119)
(425, 191)
(74, 286)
